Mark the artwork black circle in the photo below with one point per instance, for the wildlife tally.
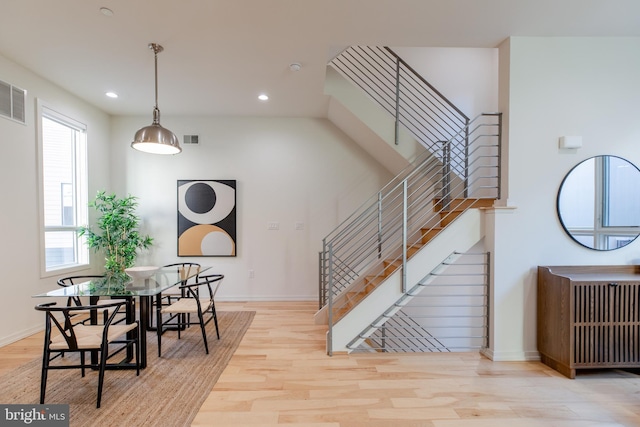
(200, 198)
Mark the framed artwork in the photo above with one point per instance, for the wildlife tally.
(206, 217)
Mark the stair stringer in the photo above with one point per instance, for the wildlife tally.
(403, 301)
(458, 236)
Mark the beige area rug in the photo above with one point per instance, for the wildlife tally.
(169, 392)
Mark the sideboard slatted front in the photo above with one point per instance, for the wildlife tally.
(588, 320)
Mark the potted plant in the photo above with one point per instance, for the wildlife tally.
(117, 232)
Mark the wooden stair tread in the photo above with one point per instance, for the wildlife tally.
(462, 204)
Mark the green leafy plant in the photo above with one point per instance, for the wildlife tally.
(117, 232)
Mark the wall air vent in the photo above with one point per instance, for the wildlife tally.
(190, 139)
(12, 102)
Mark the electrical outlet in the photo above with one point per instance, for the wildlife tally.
(252, 274)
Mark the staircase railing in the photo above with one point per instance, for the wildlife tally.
(446, 311)
(392, 222)
(413, 102)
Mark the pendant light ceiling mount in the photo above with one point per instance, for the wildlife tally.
(156, 48)
(155, 138)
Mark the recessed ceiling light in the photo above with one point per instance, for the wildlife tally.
(106, 11)
(111, 94)
(263, 97)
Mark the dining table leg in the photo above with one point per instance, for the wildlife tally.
(130, 317)
(144, 321)
(93, 318)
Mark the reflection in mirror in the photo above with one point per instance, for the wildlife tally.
(599, 203)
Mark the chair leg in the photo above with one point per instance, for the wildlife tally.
(103, 362)
(204, 332)
(43, 375)
(215, 319)
(158, 324)
(159, 333)
(136, 343)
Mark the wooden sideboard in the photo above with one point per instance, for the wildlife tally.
(589, 317)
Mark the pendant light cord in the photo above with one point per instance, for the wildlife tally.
(156, 49)
(156, 64)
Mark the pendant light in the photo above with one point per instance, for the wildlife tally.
(154, 138)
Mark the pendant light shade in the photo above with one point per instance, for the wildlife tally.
(155, 138)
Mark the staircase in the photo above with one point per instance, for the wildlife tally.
(428, 211)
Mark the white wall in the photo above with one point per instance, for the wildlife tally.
(556, 86)
(19, 223)
(287, 171)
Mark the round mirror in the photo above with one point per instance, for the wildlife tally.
(599, 203)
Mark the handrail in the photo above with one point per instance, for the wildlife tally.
(404, 94)
(422, 79)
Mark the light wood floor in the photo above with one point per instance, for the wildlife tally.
(281, 375)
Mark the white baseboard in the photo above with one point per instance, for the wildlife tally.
(511, 356)
(266, 298)
(20, 335)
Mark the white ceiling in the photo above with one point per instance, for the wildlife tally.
(220, 54)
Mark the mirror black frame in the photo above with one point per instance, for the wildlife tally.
(631, 236)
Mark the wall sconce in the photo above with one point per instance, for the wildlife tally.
(570, 142)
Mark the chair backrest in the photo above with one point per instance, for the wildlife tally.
(61, 317)
(186, 269)
(211, 281)
(74, 280)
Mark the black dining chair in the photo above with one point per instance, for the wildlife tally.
(63, 335)
(194, 302)
(186, 270)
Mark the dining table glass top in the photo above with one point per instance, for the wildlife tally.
(161, 280)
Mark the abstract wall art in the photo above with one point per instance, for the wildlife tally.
(206, 217)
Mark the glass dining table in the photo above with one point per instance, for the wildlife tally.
(129, 287)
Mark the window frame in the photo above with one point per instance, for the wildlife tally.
(81, 178)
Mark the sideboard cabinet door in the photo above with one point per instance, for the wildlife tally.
(606, 324)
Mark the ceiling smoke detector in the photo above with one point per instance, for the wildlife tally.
(295, 66)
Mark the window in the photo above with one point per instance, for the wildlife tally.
(63, 190)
